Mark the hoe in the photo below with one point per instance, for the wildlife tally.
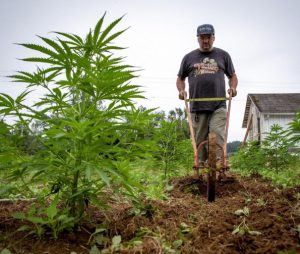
(211, 144)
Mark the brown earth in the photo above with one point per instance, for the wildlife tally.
(184, 223)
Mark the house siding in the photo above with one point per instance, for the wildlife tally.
(264, 110)
(271, 119)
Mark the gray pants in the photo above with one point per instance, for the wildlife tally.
(203, 123)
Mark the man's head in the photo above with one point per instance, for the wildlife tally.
(206, 37)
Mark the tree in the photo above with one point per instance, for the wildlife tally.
(233, 146)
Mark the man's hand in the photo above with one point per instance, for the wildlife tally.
(232, 91)
(182, 94)
(233, 81)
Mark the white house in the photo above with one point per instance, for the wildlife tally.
(264, 110)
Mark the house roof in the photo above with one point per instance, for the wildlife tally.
(278, 103)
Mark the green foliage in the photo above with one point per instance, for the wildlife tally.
(98, 239)
(171, 134)
(167, 138)
(243, 228)
(242, 212)
(298, 230)
(271, 159)
(276, 148)
(249, 159)
(89, 129)
(287, 252)
(172, 156)
(8, 147)
(12, 157)
(289, 177)
(294, 129)
(5, 251)
(162, 243)
(46, 218)
(184, 228)
(150, 176)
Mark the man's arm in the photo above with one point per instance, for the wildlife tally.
(180, 83)
(233, 82)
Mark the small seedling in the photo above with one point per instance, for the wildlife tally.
(242, 212)
(243, 229)
(97, 237)
(94, 250)
(248, 197)
(116, 242)
(45, 218)
(261, 202)
(287, 252)
(114, 248)
(298, 230)
(297, 195)
(177, 244)
(184, 228)
(5, 251)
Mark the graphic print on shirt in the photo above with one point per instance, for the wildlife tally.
(208, 66)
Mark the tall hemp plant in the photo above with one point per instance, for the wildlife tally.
(87, 138)
(294, 129)
(276, 148)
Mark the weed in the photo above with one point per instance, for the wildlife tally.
(247, 195)
(287, 252)
(261, 202)
(113, 248)
(45, 218)
(192, 188)
(98, 237)
(184, 228)
(243, 229)
(298, 230)
(297, 195)
(158, 237)
(5, 251)
(242, 212)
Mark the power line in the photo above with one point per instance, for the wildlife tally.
(173, 78)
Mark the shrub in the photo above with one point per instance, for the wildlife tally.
(249, 159)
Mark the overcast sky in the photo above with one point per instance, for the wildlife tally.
(262, 38)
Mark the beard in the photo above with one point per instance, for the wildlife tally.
(206, 48)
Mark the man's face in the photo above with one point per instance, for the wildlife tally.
(206, 42)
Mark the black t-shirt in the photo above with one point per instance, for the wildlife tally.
(209, 82)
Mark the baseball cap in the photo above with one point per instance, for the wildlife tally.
(205, 29)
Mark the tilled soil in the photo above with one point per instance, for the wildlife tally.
(184, 223)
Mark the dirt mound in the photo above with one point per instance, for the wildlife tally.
(248, 216)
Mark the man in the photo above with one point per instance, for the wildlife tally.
(205, 68)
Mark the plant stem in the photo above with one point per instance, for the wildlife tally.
(74, 191)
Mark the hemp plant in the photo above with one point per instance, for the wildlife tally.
(87, 139)
(243, 228)
(276, 148)
(294, 129)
